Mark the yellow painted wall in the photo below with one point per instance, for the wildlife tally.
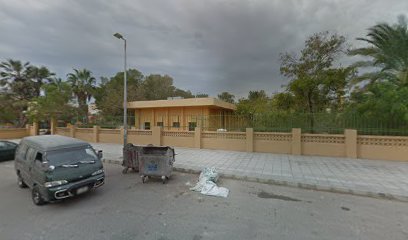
(13, 133)
(84, 134)
(110, 136)
(183, 115)
(366, 147)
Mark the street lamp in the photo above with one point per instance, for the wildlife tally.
(119, 36)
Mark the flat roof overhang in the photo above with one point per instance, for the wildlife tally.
(187, 102)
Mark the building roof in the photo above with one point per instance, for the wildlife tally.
(187, 102)
(53, 142)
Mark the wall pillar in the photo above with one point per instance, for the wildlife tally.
(296, 147)
(34, 129)
(351, 143)
(156, 135)
(122, 135)
(72, 129)
(197, 137)
(249, 139)
(95, 137)
(53, 126)
(28, 129)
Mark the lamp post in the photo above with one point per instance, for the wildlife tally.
(119, 36)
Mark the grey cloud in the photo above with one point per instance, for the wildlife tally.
(206, 46)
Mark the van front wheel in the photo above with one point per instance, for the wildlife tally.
(37, 198)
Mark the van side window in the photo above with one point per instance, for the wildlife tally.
(38, 156)
(38, 160)
(22, 150)
(30, 154)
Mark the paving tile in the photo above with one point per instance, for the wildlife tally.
(359, 176)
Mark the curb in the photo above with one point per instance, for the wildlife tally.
(341, 190)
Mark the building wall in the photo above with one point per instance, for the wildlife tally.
(182, 115)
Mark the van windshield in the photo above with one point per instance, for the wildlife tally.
(72, 156)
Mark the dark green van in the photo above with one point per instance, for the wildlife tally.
(56, 167)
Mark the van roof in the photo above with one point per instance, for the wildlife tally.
(53, 142)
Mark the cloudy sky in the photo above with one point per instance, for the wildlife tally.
(207, 46)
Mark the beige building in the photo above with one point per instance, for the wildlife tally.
(182, 114)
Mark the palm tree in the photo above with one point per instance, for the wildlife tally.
(12, 70)
(37, 75)
(16, 90)
(83, 85)
(14, 79)
(388, 51)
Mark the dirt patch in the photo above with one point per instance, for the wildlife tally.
(276, 196)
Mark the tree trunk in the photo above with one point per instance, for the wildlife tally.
(83, 107)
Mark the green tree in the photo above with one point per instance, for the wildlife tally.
(257, 103)
(83, 85)
(39, 76)
(158, 87)
(314, 82)
(387, 52)
(15, 79)
(109, 95)
(382, 102)
(20, 83)
(284, 101)
(227, 97)
(53, 103)
(182, 93)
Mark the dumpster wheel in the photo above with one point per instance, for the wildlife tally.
(164, 178)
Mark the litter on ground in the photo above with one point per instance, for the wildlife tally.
(207, 184)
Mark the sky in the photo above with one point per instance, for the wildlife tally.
(207, 46)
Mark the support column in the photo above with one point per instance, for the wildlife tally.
(53, 126)
(156, 136)
(249, 139)
(122, 134)
(72, 129)
(296, 141)
(34, 129)
(351, 143)
(197, 137)
(95, 134)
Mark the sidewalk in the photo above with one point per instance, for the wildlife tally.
(375, 178)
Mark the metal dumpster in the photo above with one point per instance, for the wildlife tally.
(131, 157)
(156, 161)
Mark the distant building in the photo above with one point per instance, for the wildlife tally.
(182, 114)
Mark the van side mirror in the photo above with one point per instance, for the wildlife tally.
(100, 154)
(44, 165)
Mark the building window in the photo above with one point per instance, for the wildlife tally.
(159, 124)
(176, 124)
(147, 125)
(192, 126)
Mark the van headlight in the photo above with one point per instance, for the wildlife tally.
(97, 172)
(55, 183)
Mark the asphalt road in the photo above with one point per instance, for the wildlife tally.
(124, 208)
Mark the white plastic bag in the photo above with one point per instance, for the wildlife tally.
(206, 184)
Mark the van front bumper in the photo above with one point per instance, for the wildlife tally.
(73, 189)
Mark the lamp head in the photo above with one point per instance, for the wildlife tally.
(118, 35)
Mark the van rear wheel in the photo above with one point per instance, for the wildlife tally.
(21, 182)
(37, 198)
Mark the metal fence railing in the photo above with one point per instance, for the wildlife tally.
(331, 123)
